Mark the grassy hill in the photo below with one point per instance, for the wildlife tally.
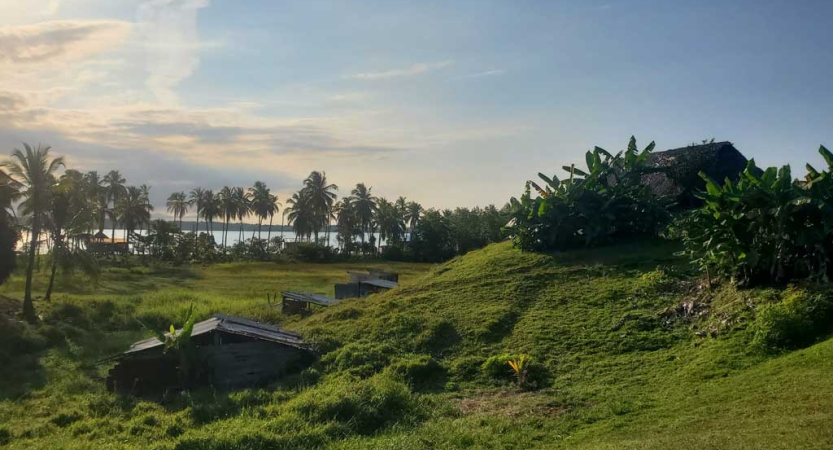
(618, 363)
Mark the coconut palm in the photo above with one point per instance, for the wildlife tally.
(177, 205)
(70, 212)
(274, 208)
(144, 191)
(210, 209)
(300, 215)
(195, 198)
(9, 193)
(413, 211)
(97, 193)
(34, 170)
(261, 203)
(115, 189)
(134, 211)
(365, 205)
(242, 208)
(320, 197)
(226, 202)
(389, 221)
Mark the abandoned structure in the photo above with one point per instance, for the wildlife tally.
(298, 302)
(225, 352)
(364, 284)
(680, 177)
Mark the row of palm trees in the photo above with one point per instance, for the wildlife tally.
(228, 204)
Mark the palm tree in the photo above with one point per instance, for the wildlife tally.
(144, 191)
(210, 209)
(9, 193)
(365, 205)
(226, 202)
(300, 215)
(274, 208)
(97, 194)
(320, 198)
(177, 205)
(34, 171)
(261, 203)
(134, 210)
(346, 222)
(70, 211)
(196, 198)
(390, 222)
(413, 211)
(242, 208)
(115, 189)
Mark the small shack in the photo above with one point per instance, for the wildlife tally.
(363, 284)
(680, 177)
(227, 352)
(298, 302)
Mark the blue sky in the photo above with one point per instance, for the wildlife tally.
(448, 103)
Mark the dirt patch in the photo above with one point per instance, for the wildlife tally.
(510, 403)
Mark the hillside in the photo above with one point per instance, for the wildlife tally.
(615, 365)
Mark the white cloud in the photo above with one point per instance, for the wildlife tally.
(486, 73)
(168, 31)
(415, 69)
(66, 40)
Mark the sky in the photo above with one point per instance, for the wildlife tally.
(448, 103)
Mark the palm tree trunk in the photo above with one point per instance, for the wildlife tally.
(269, 230)
(28, 305)
(56, 255)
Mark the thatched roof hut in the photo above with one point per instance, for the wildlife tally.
(681, 180)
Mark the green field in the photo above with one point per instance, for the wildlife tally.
(405, 369)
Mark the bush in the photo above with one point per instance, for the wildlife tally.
(497, 368)
(765, 228)
(365, 406)
(421, 371)
(608, 203)
(798, 320)
(360, 358)
(310, 252)
(467, 368)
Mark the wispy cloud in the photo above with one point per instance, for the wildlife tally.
(415, 69)
(168, 31)
(485, 73)
(46, 42)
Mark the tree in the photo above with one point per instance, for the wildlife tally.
(365, 205)
(70, 211)
(241, 208)
(115, 189)
(134, 211)
(34, 170)
(261, 199)
(274, 208)
(9, 192)
(197, 198)
(225, 201)
(299, 214)
(412, 214)
(210, 209)
(320, 197)
(346, 223)
(177, 205)
(390, 222)
(97, 193)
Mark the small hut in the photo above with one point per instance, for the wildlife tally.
(680, 177)
(363, 284)
(299, 302)
(227, 352)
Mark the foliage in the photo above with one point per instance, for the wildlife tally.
(520, 369)
(799, 319)
(180, 343)
(8, 241)
(310, 252)
(766, 227)
(604, 204)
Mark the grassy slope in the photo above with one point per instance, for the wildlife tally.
(618, 378)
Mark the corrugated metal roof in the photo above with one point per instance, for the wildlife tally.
(232, 325)
(380, 283)
(317, 299)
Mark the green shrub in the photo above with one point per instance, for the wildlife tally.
(608, 203)
(310, 252)
(467, 368)
(497, 368)
(798, 320)
(362, 358)
(5, 436)
(420, 371)
(364, 406)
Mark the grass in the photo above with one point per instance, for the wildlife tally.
(411, 368)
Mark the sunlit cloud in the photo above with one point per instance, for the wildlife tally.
(168, 31)
(48, 42)
(415, 69)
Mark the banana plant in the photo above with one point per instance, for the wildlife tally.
(179, 342)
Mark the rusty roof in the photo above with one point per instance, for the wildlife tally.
(231, 325)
